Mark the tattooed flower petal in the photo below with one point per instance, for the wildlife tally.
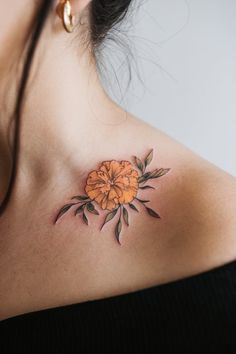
(114, 183)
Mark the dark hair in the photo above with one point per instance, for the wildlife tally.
(103, 16)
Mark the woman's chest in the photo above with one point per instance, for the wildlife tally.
(43, 266)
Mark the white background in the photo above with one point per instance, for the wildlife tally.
(185, 51)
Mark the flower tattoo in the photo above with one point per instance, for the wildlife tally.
(114, 187)
(113, 184)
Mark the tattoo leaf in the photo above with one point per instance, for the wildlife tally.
(80, 209)
(149, 158)
(151, 212)
(118, 230)
(91, 209)
(159, 172)
(132, 206)
(138, 163)
(63, 210)
(109, 216)
(126, 216)
(142, 201)
(81, 197)
(145, 177)
(85, 219)
(146, 187)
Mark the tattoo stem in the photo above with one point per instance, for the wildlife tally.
(142, 202)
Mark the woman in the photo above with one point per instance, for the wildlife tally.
(114, 237)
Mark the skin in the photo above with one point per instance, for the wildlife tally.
(69, 126)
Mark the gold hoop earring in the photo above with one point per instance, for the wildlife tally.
(67, 17)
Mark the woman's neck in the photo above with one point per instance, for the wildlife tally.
(66, 114)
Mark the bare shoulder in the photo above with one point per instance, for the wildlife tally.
(212, 214)
(197, 203)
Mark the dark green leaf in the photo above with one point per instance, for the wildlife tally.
(152, 213)
(126, 216)
(80, 209)
(110, 216)
(85, 219)
(132, 206)
(142, 201)
(81, 197)
(91, 209)
(153, 173)
(62, 211)
(141, 179)
(118, 230)
(146, 187)
(159, 172)
(145, 177)
(138, 163)
(149, 158)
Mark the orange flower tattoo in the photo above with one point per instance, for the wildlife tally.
(111, 187)
(113, 184)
